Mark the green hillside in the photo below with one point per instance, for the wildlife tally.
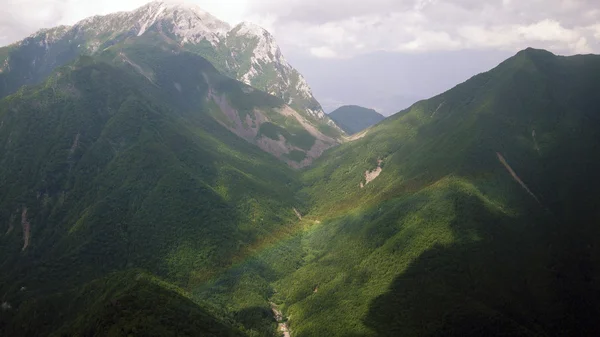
(187, 81)
(445, 241)
(135, 202)
(354, 118)
(121, 304)
(99, 173)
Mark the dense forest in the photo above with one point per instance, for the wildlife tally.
(145, 193)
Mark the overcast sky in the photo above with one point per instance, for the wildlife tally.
(371, 52)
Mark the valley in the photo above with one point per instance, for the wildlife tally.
(165, 174)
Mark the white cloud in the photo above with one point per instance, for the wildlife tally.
(547, 30)
(595, 30)
(430, 40)
(540, 34)
(324, 52)
(341, 28)
(581, 46)
(330, 104)
(354, 28)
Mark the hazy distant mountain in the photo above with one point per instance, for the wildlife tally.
(389, 81)
(354, 118)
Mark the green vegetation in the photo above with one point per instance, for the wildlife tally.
(120, 304)
(353, 119)
(270, 130)
(115, 176)
(301, 138)
(297, 155)
(128, 209)
(26, 67)
(445, 241)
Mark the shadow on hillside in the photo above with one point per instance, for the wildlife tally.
(256, 318)
(522, 277)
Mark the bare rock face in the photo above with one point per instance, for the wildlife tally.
(252, 126)
(372, 174)
(245, 52)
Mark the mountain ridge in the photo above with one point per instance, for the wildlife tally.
(140, 176)
(96, 165)
(177, 26)
(354, 118)
(295, 132)
(484, 198)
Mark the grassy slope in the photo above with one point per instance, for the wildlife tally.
(113, 178)
(444, 241)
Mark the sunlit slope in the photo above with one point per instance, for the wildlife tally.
(481, 218)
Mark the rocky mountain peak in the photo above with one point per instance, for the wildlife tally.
(249, 28)
(265, 52)
(246, 52)
(188, 21)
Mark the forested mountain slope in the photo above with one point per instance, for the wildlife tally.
(471, 213)
(138, 198)
(101, 173)
(190, 83)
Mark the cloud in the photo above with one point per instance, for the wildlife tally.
(547, 30)
(343, 29)
(430, 40)
(330, 104)
(348, 29)
(324, 52)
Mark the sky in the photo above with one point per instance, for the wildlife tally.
(383, 54)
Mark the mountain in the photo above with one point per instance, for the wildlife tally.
(255, 116)
(471, 213)
(109, 168)
(146, 192)
(353, 119)
(152, 39)
(245, 52)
